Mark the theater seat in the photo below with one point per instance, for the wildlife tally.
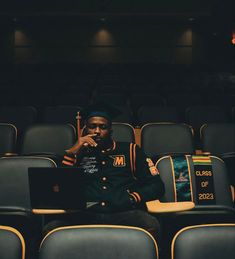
(98, 241)
(196, 116)
(12, 244)
(125, 116)
(219, 139)
(20, 116)
(233, 114)
(158, 139)
(184, 100)
(186, 185)
(60, 114)
(154, 113)
(123, 132)
(204, 241)
(48, 140)
(223, 199)
(8, 139)
(211, 195)
(76, 99)
(114, 98)
(15, 207)
(140, 99)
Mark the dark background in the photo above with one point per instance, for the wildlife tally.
(53, 44)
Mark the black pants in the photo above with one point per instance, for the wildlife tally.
(136, 218)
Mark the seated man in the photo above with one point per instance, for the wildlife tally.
(124, 177)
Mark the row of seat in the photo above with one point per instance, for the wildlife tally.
(78, 78)
(15, 187)
(134, 100)
(156, 139)
(16, 209)
(196, 116)
(119, 242)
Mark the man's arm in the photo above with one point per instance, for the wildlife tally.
(70, 157)
(149, 185)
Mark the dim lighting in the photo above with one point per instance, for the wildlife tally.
(103, 19)
(191, 19)
(15, 19)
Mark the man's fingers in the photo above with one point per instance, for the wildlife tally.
(90, 142)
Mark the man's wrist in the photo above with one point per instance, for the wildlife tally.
(132, 201)
(73, 150)
(69, 152)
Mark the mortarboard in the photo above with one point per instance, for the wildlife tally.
(100, 109)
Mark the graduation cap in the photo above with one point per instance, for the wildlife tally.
(100, 109)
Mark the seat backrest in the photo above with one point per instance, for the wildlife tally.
(20, 116)
(8, 98)
(78, 99)
(196, 116)
(218, 138)
(227, 100)
(139, 99)
(114, 98)
(125, 115)
(204, 241)
(222, 192)
(184, 100)
(60, 114)
(36, 98)
(8, 138)
(229, 159)
(153, 113)
(48, 139)
(14, 185)
(123, 132)
(98, 241)
(233, 113)
(166, 138)
(12, 244)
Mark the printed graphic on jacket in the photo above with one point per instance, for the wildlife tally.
(152, 167)
(90, 165)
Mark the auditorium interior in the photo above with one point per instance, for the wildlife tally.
(169, 67)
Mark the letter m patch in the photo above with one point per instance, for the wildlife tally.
(119, 160)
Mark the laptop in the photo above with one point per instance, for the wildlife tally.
(57, 188)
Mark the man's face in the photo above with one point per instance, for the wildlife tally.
(101, 127)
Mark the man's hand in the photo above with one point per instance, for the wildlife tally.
(85, 141)
(121, 200)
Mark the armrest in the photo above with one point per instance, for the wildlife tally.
(53, 211)
(9, 154)
(156, 206)
(48, 211)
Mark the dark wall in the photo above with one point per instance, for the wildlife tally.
(52, 40)
(105, 31)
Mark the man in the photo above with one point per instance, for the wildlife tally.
(124, 178)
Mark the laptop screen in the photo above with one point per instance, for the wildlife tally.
(57, 188)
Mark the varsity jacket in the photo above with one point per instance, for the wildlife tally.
(120, 173)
